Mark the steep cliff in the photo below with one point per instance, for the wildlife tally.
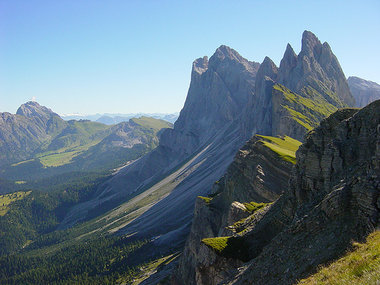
(201, 145)
(259, 173)
(318, 68)
(332, 198)
(292, 99)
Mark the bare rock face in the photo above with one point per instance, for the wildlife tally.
(259, 109)
(318, 67)
(314, 77)
(364, 91)
(332, 199)
(288, 62)
(208, 128)
(256, 174)
(333, 194)
(219, 90)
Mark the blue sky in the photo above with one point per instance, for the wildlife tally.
(78, 56)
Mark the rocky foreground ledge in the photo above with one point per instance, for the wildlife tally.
(332, 199)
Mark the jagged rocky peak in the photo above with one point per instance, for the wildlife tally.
(311, 46)
(225, 55)
(267, 69)
(219, 89)
(224, 51)
(200, 65)
(315, 67)
(289, 61)
(32, 109)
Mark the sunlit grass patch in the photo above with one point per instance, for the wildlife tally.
(359, 266)
(285, 147)
(7, 199)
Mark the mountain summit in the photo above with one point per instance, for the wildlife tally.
(32, 109)
(315, 66)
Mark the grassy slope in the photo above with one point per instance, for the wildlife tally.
(285, 147)
(307, 112)
(78, 137)
(151, 123)
(81, 135)
(359, 266)
(150, 268)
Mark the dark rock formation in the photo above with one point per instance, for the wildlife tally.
(364, 91)
(332, 199)
(256, 174)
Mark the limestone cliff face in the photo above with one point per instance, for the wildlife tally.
(317, 66)
(364, 91)
(219, 90)
(256, 174)
(317, 84)
(332, 198)
(208, 128)
(259, 109)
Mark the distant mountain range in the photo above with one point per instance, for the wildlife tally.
(111, 119)
(364, 91)
(36, 142)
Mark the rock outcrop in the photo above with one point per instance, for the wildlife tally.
(316, 82)
(331, 200)
(256, 174)
(315, 66)
(364, 91)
